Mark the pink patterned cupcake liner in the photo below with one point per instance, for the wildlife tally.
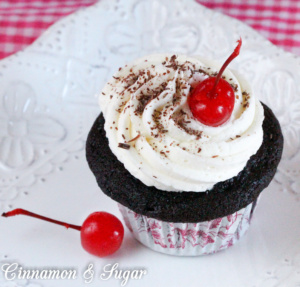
(188, 239)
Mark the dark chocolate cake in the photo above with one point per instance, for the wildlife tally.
(225, 198)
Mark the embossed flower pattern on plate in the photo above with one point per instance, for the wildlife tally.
(153, 31)
(280, 92)
(22, 128)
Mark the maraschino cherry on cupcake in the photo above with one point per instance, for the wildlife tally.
(212, 101)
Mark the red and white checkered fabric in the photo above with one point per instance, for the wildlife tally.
(277, 20)
(22, 21)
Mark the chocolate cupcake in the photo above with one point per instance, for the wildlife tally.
(183, 187)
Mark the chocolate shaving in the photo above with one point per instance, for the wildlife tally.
(124, 145)
(144, 99)
(247, 97)
(173, 58)
(181, 122)
(235, 87)
(163, 153)
(173, 64)
(134, 139)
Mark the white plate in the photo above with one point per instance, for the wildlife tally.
(53, 83)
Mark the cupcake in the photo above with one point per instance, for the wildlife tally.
(184, 187)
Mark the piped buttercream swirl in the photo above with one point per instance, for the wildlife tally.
(152, 131)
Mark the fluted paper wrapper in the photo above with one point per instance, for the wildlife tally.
(188, 239)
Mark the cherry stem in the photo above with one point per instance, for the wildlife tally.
(19, 211)
(234, 54)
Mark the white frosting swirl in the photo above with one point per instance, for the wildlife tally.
(147, 102)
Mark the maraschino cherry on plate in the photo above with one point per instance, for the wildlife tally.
(101, 233)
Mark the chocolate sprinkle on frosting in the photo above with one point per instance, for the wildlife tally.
(134, 139)
(181, 121)
(124, 145)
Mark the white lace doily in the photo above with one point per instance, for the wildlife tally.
(53, 83)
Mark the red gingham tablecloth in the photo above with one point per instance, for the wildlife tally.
(22, 21)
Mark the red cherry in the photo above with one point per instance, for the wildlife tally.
(212, 100)
(212, 110)
(101, 233)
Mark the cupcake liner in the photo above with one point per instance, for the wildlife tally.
(188, 239)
